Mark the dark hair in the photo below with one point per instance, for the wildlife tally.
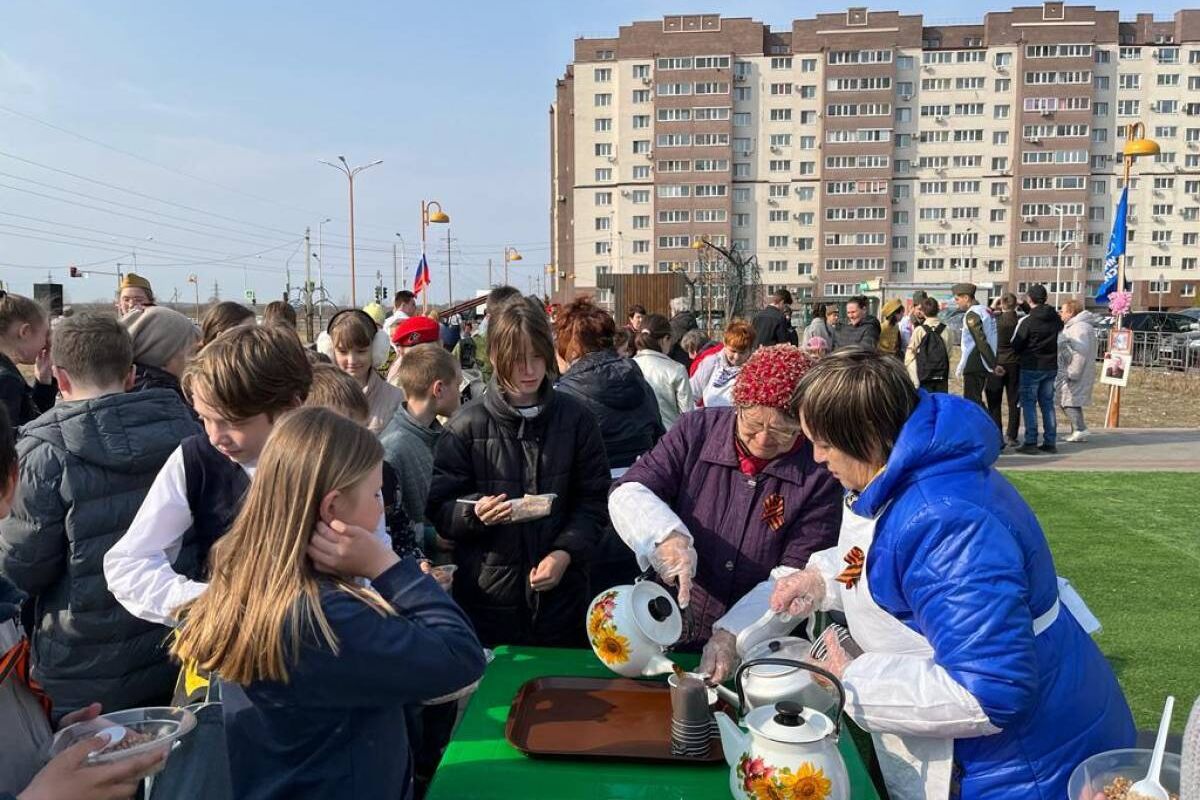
(249, 371)
(818, 310)
(1037, 293)
(623, 342)
(861, 301)
(8, 449)
(1008, 301)
(224, 316)
(636, 308)
(581, 328)
(654, 328)
(929, 307)
(499, 297)
(16, 308)
(857, 401)
(782, 296)
(279, 312)
(519, 329)
(402, 297)
(94, 349)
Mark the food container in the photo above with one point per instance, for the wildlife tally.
(1089, 778)
(135, 731)
(531, 506)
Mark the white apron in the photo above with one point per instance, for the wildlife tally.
(914, 767)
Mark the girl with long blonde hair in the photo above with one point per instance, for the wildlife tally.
(316, 663)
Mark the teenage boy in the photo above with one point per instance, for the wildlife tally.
(239, 385)
(86, 465)
(429, 376)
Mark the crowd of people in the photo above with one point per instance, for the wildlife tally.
(328, 537)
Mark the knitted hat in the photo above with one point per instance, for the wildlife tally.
(131, 281)
(375, 312)
(414, 331)
(158, 334)
(770, 377)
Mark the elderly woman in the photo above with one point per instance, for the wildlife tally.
(1076, 365)
(972, 673)
(729, 493)
(714, 374)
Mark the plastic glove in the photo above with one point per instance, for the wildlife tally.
(833, 656)
(674, 559)
(719, 658)
(798, 594)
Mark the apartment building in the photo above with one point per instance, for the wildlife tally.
(865, 147)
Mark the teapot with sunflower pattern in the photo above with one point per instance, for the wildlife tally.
(789, 750)
(630, 627)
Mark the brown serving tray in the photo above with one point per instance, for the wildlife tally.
(601, 718)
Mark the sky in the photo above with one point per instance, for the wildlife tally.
(186, 136)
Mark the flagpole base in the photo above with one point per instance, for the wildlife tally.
(1112, 417)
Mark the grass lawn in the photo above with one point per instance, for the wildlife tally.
(1130, 544)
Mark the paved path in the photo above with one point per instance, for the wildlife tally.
(1123, 449)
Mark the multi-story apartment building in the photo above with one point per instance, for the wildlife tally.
(864, 146)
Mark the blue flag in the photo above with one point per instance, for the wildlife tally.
(1116, 249)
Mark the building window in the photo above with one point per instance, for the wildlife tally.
(602, 100)
(641, 121)
(641, 172)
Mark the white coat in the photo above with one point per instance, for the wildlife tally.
(1077, 361)
(669, 380)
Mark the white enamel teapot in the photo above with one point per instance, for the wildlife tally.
(630, 627)
(789, 750)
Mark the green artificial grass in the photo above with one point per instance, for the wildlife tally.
(1130, 544)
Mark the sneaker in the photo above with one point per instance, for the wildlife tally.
(1048, 448)
(1028, 450)
(1014, 442)
(1079, 436)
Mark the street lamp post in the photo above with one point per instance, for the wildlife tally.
(1135, 145)
(1059, 247)
(510, 254)
(350, 172)
(195, 282)
(321, 252)
(1162, 280)
(431, 212)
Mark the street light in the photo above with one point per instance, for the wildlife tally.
(350, 172)
(1162, 289)
(510, 254)
(431, 212)
(1059, 247)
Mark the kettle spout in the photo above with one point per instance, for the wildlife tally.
(734, 740)
(658, 664)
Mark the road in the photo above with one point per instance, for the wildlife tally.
(1119, 450)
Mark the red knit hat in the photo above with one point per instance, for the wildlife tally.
(414, 331)
(770, 376)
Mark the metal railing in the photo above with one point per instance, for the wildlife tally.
(1173, 352)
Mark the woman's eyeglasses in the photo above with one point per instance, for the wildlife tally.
(776, 431)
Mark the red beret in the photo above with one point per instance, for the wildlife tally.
(414, 331)
(770, 376)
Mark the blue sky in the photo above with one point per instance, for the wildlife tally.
(238, 101)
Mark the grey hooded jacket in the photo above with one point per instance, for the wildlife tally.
(85, 468)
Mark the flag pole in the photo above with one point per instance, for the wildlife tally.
(424, 224)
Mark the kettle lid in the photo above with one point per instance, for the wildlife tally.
(656, 613)
(791, 647)
(789, 723)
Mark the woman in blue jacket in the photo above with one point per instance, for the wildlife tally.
(975, 679)
(321, 634)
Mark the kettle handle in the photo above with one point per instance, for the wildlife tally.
(787, 662)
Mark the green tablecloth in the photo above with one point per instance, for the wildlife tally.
(481, 764)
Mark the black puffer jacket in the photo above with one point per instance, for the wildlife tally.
(771, 327)
(681, 323)
(864, 334)
(85, 468)
(613, 389)
(488, 448)
(22, 401)
(1036, 339)
(148, 377)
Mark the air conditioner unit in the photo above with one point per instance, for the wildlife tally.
(1192, 145)
(1178, 168)
(906, 97)
(1046, 112)
(739, 78)
(774, 149)
(797, 239)
(771, 201)
(1006, 172)
(940, 120)
(944, 223)
(1027, 220)
(1158, 192)
(941, 171)
(612, 159)
(1163, 245)
(649, 155)
(1003, 70)
(796, 217)
(895, 200)
(1157, 219)
(562, 198)
(646, 81)
(625, 193)
(1131, 219)
(927, 68)
(1033, 140)
(1002, 198)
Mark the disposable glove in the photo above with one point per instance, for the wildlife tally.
(798, 594)
(674, 559)
(719, 658)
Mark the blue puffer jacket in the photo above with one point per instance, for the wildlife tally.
(960, 558)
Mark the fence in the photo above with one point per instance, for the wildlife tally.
(1173, 352)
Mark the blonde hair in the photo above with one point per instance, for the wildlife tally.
(338, 391)
(424, 364)
(1073, 305)
(264, 594)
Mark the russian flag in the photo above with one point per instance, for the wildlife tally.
(421, 279)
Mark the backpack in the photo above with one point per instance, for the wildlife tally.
(933, 361)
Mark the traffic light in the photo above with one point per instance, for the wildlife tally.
(75, 273)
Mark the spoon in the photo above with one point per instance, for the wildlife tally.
(1149, 786)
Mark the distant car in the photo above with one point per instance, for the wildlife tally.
(1194, 313)
(1161, 322)
(1167, 334)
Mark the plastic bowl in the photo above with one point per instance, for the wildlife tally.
(1089, 778)
(164, 724)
